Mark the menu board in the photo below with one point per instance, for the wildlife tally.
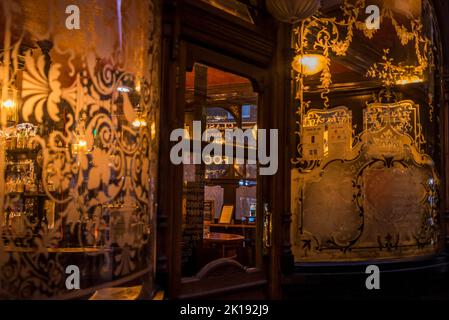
(226, 214)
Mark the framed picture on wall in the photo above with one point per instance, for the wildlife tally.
(226, 214)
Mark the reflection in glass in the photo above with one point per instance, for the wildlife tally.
(77, 178)
(219, 213)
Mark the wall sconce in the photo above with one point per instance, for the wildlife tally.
(139, 122)
(80, 146)
(309, 64)
(9, 105)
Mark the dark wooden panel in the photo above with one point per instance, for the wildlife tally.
(224, 279)
(196, 32)
(209, 27)
(442, 12)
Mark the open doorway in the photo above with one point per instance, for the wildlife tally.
(220, 211)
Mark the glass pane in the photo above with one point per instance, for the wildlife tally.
(78, 147)
(246, 200)
(366, 184)
(219, 215)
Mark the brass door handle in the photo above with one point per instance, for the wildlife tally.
(267, 227)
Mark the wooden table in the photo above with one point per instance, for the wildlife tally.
(226, 241)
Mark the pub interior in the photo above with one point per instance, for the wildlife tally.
(349, 98)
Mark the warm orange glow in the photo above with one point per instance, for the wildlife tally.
(140, 122)
(309, 64)
(408, 80)
(153, 130)
(8, 103)
(80, 147)
(254, 132)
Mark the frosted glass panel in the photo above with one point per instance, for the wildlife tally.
(329, 209)
(379, 202)
(78, 146)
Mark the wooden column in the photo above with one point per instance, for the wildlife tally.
(281, 258)
(172, 106)
(442, 11)
(444, 122)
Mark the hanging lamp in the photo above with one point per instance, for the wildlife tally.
(292, 11)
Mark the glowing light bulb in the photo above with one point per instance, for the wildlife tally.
(309, 64)
(123, 89)
(80, 146)
(136, 123)
(8, 103)
(139, 122)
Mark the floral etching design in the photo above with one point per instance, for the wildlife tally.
(104, 195)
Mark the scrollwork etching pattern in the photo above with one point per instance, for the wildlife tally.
(97, 169)
(380, 201)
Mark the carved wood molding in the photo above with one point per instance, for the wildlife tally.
(256, 75)
(222, 276)
(220, 267)
(442, 11)
(217, 30)
(446, 85)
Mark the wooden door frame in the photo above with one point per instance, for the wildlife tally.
(441, 8)
(184, 21)
(171, 203)
(260, 53)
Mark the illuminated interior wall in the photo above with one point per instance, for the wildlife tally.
(78, 146)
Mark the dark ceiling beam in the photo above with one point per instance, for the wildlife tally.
(212, 28)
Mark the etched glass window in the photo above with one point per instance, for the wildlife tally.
(366, 177)
(78, 146)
